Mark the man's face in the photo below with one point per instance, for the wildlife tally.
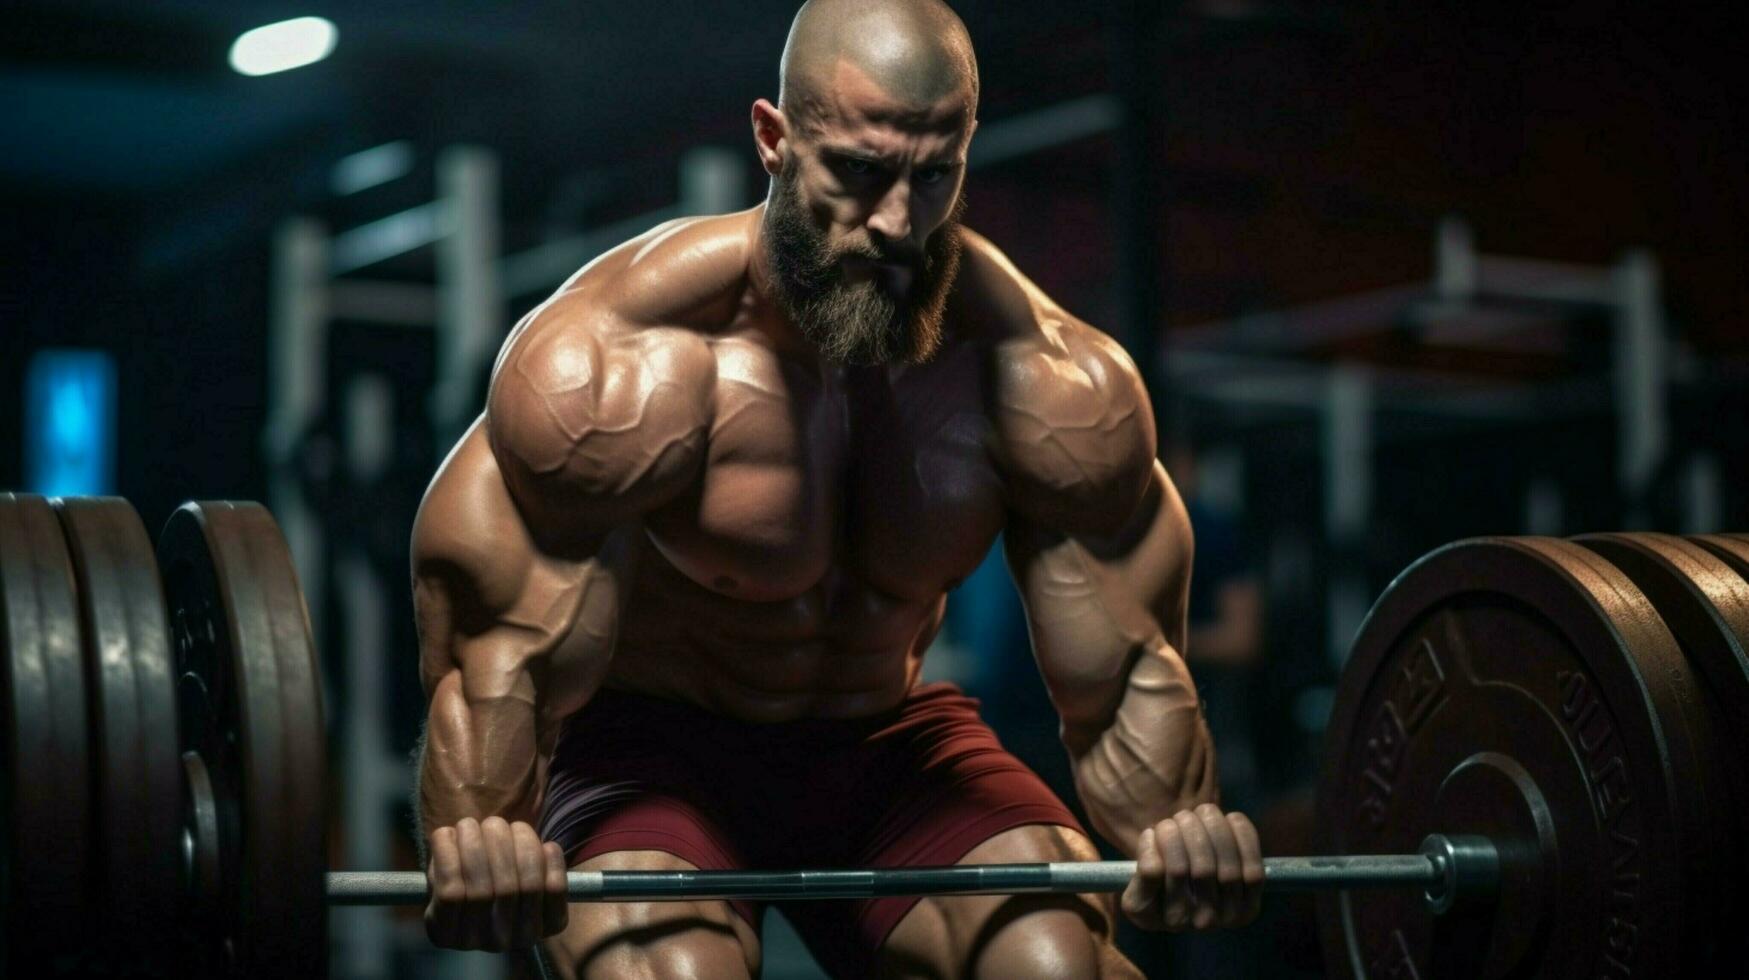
(863, 219)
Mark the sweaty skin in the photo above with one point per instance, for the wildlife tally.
(665, 496)
(672, 492)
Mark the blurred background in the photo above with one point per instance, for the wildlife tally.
(1397, 274)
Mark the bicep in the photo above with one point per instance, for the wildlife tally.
(495, 613)
(1096, 602)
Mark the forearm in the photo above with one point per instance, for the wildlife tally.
(481, 755)
(1153, 758)
(1107, 615)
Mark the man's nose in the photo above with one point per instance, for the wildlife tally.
(892, 214)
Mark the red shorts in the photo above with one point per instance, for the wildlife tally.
(919, 785)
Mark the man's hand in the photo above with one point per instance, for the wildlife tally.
(1200, 869)
(494, 886)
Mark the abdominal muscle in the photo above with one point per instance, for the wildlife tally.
(838, 650)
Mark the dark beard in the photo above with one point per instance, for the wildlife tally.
(857, 323)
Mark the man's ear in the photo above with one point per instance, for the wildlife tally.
(770, 131)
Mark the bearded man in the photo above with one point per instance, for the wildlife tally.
(675, 586)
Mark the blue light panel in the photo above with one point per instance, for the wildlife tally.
(69, 423)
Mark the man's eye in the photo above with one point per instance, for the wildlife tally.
(931, 175)
(858, 167)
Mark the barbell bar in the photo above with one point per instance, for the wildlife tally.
(1447, 869)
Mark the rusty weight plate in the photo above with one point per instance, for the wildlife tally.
(251, 726)
(1733, 550)
(137, 772)
(1705, 602)
(1521, 688)
(47, 804)
(1702, 591)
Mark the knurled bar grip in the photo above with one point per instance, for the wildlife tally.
(1445, 867)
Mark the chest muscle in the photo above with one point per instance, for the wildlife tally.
(853, 485)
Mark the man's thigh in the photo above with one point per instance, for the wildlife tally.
(654, 940)
(1011, 936)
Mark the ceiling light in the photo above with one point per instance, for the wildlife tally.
(280, 47)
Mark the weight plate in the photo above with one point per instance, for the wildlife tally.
(1706, 605)
(1524, 689)
(138, 775)
(1732, 549)
(47, 802)
(250, 711)
(1704, 599)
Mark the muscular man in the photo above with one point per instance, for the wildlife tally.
(675, 586)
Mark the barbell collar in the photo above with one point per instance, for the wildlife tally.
(1444, 868)
(1469, 869)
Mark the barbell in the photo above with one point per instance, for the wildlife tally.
(1534, 739)
(1448, 870)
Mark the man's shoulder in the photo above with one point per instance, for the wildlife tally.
(1075, 430)
(691, 272)
(587, 411)
(992, 299)
(606, 389)
(1020, 324)
(687, 272)
(642, 311)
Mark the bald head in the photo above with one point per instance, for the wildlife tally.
(916, 51)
